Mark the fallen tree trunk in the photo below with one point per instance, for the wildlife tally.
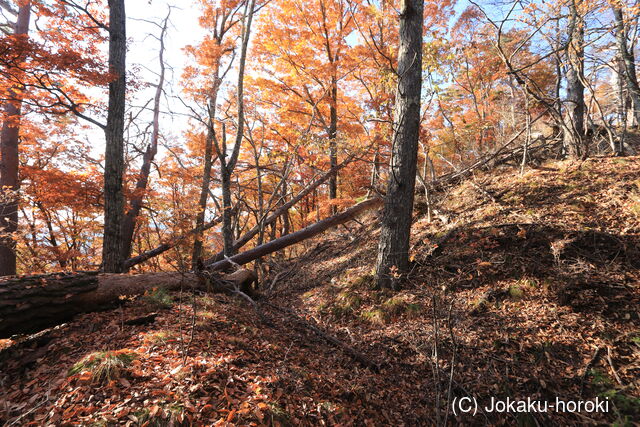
(279, 212)
(31, 303)
(166, 246)
(293, 238)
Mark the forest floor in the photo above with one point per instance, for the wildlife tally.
(523, 287)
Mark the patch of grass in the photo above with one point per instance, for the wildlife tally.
(620, 161)
(159, 297)
(530, 282)
(399, 306)
(207, 314)
(160, 337)
(634, 207)
(366, 281)
(394, 306)
(516, 292)
(414, 309)
(345, 304)
(104, 366)
(376, 316)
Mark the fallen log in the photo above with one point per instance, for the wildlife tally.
(140, 258)
(31, 303)
(293, 238)
(279, 212)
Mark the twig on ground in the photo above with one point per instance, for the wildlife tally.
(361, 358)
(594, 359)
(613, 369)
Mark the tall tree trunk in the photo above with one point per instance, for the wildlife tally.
(129, 223)
(227, 167)
(9, 141)
(227, 214)
(575, 138)
(398, 207)
(628, 75)
(114, 133)
(208, 163)
(333, 143)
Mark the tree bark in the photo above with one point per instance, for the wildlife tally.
(29, 304)
(114, 133)
(206, 173)
(628, 75)
(129, 223)
(333, 142)
(9, 161)
(575, 138)
(398, 207)
(227, 167)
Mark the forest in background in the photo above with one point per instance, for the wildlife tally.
(335, 212)
(278, 94)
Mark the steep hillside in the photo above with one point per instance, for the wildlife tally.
(522, 287)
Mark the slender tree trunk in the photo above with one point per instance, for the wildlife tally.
(114, 133)
(575, 138)
(333, 143)
(9, 153)
(628, 75)
(227, 167)
(398, 208)
(227, 217)
(129, 223)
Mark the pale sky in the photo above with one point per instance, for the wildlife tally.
(142, 56)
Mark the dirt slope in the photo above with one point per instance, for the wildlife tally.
(530, 289)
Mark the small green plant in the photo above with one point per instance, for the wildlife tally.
(516, 292)
(599, 378)
(279, 415)
(104, 366)
(159, 297)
